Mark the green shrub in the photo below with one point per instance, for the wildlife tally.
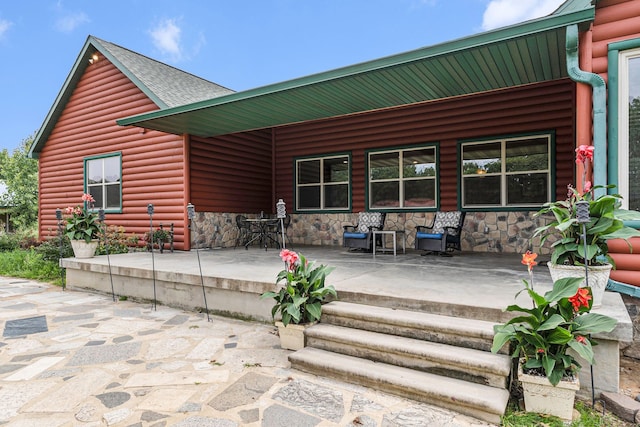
(29, 264)
(8, 242)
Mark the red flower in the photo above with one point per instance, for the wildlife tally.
(581, 339)
(88, 198)
(583, 153)
(528, 259)
(580, 299)
(290, 258)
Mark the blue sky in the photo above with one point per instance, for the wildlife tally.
(240, 44)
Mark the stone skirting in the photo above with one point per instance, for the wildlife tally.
(498, 232)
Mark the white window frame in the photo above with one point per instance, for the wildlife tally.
(322, 184)
(401, 179)
(623, 122)
(503, 173)
(104, 185)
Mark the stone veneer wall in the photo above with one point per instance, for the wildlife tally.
(483, 231)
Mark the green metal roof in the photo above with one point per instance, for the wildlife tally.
(521, 54)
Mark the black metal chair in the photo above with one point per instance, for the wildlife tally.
(244, 231)
(443, 235)
(359, 236)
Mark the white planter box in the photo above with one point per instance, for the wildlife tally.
(543, 398)
(291, 336)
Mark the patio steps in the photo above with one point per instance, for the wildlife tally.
(435, 359)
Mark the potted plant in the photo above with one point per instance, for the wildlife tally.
(541, 338)
(83, 228)
(570, 252)
(299, 301)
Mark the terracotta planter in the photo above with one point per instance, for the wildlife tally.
(82, 249)
(598, 277)
(542, 397)
(292, 335)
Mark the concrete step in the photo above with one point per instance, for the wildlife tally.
(476, 400)
(467, 364)
(458, 331)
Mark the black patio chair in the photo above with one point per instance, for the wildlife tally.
(443, 235)
(360, 236)
(244, 231)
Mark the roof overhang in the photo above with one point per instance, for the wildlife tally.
(526, 53)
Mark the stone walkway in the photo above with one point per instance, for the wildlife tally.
(76, 359)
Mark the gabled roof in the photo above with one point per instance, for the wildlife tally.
(530, 52)
(165, 85)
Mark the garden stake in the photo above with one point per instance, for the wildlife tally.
(582, 215)
(191, 213)
(153, 263)
(106, 249)
(281, 210)
(59, 218)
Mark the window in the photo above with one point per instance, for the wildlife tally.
(629, 128)
(103, 181)
(403, 179)
(506, 172)
(323, 183)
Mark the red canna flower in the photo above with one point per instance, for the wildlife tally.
(583, 153)
(580, 299)
(290, 258)
(528, 259)
(581, 339)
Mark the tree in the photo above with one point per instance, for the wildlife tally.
(20, 176)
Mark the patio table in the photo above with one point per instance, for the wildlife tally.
(262, 231)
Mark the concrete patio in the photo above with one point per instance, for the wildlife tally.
(472, 285)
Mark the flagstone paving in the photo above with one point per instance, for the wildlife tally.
(75, 359)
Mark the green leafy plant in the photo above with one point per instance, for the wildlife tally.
(82, 222)
(605, 221)
(300, 298)
(559, 320)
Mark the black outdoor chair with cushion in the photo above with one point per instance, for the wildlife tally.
(443, 235)
(359, 236)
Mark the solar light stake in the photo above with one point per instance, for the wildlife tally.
(191, 213)
(582, 216)
(101, 218)
(153, 263)
(281, 212)
(59, 218)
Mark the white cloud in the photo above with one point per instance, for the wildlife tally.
(500, 13)
(166, 38)
(71, 21)
(4, 26)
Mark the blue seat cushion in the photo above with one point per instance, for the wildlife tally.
(350, 235)
(435, 236)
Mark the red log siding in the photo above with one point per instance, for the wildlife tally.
(617, 20)
(545, 106)
(232, 173)
(152, 162)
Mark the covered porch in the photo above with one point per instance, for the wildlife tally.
(470, 285)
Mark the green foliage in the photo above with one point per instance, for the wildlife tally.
(558, 321)
(589, 417)
(300, 299)
(119, 242)
(20, 175)
(605, 223)
(29, 264)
